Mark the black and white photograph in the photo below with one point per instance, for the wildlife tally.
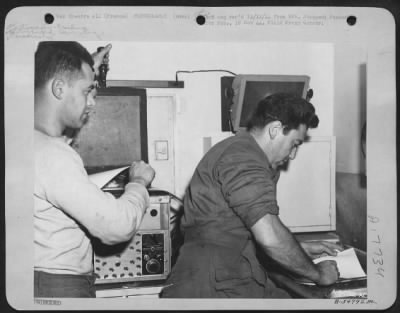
(180, 158)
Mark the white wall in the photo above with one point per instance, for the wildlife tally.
(349, 105)
(198, 111)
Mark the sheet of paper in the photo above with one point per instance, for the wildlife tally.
(347, 263)
(102, 178)
(136, 291)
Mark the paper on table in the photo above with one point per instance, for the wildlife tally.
(347, 263)
(102, 178)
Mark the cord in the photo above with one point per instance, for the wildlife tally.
(175, 210)
(230, 123)
(363, 139)
(204, 71)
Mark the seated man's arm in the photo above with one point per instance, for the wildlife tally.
(278, 242)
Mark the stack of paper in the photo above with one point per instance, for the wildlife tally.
(102, 178)
(348, 265)
(347, 262)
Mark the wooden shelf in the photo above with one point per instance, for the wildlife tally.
(146, 83)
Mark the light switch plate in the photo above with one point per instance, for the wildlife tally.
(161, 147)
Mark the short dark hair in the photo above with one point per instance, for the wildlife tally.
(289, 109)
(59, 58)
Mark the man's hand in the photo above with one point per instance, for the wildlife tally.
(316, 249)
(142, 173)
(98, 58)
(328, 273)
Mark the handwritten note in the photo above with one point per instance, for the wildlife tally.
(376, 240)
(46, 32)
(28, 31)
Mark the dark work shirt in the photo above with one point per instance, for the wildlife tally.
(232, 187)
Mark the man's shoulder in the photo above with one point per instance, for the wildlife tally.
(242, 143)
(45, 142)
(236, 150)
(52, 149)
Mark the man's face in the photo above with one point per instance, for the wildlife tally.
(80, 98)
(285, 146)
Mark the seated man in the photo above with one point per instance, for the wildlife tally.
(230, 206)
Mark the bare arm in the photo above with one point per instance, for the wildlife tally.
(278, 242)
(316, 249)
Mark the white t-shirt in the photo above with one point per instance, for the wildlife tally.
(67, 205)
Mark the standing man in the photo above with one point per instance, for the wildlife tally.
(230, 206)
(67, 205)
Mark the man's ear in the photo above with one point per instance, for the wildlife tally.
(57, 88)
(274, 129)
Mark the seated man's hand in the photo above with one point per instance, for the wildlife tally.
(328, 273)
(316, 249)
(142, 173)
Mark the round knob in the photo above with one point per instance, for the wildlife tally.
(153, 266)
(153, 212)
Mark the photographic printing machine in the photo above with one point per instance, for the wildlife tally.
(140, 266)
